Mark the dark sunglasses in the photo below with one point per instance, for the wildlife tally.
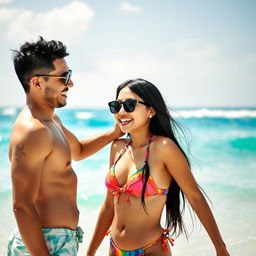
(66, 76)
(129, 105)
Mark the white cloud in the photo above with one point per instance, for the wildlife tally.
(5, 1)
(101, 83)
(125, 6)
(7, 14)
(195, 75)
(65, 23)
(191, 49)
(251, 58)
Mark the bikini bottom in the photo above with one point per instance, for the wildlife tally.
(141, 251)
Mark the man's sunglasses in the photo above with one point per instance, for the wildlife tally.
(66, 76)
(129, 105)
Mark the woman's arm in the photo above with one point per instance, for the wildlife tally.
(106, 214)
(176, 164)
(103, 224)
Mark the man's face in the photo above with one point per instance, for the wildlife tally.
(55, 91)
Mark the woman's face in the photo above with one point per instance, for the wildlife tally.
(131, 122)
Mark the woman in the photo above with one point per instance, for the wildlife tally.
(148, 171)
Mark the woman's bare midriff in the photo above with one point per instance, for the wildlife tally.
(132, 227)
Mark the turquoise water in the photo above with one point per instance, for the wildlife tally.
(222, 151)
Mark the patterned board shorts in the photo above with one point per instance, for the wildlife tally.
(60, 242)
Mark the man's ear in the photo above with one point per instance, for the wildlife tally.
(34, 81)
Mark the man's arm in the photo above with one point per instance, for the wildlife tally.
(84, 148)
(27, 159)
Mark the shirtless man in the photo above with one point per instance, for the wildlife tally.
(41, 149)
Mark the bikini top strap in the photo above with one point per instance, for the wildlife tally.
(147, 151)
(128, 144)
(123, 151)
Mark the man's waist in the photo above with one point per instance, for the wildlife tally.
(78, 232)
(72, 233)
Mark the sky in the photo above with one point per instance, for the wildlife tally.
(198, 53)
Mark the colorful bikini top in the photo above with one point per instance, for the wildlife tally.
(134, 184)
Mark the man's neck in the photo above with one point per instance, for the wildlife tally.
(42, 112)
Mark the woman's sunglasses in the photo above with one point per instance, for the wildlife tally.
(129, 105)
(66, 76)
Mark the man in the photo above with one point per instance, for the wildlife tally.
(41, 150)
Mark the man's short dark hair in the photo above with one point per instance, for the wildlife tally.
(36, 58)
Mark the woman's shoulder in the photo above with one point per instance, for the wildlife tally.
(163, 141)
(164, 144)
(118, 144)
(116, 148)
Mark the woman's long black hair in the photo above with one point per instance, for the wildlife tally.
(164, 125)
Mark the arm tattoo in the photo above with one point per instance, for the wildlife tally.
(19, 152)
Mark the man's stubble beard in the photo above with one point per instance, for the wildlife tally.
(49, 92)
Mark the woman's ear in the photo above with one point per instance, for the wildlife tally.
(152, 112)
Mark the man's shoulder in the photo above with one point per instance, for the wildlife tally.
(29, 129)
(30, 126)
(33, 138)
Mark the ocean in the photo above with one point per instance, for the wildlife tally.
(222, 150)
